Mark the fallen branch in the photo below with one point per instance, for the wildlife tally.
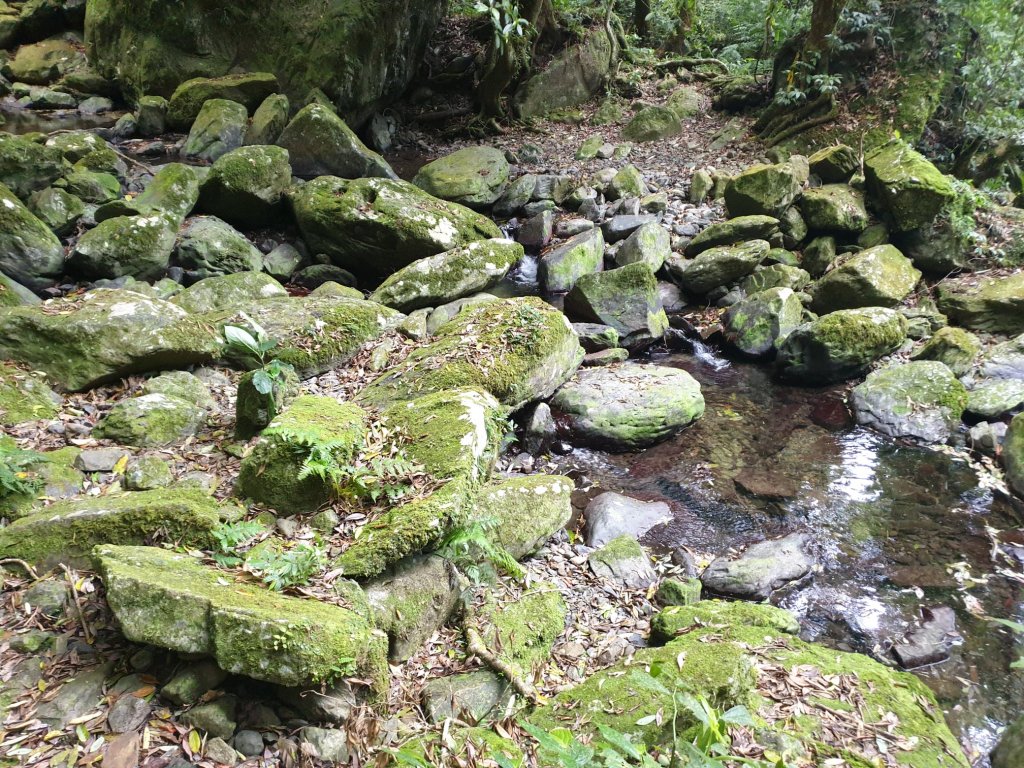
(28, 568)
(476, 645)
(691, 63)
(78, 605)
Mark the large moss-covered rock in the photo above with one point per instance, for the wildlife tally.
(236, 291)
(954, 347)
(561, 267)
(29, 252)
(448, 276)
(776, 276)
(361, 54)
(877, 277)
(172, 191)
(75, 145)
(518, 350)
(687, 101)
(907, 185)
(24, 396)
(208, 247)
(67, 531)
(268, 121)
(921, 400)
(730, 653)
(255, 408)
(994, 305)
(628, 407)
(651, 244)
(523, 632)
(102, 336)
(834, 165)
(92, 187)
(1005, 360)
(45, 62)
(524, 512)
(455, 435)
(321, 144)
(991, 400)
(27, 167)
(756, 325)
(571, 78)
(717, 267)
(151, 421)
(270, 474)
(763, 190)
(53, 477)
(247, 88)
(834, 208)
(218, 129)
(376, 226)
(653, 124)
(627, 299)
(246, 187)
(170, 600)
(840, 345)
(472, 176)
(58, 209)
(137, 246)
(738, 230)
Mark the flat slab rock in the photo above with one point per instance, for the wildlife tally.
(930, 642)
(761, 569)
(611, 515)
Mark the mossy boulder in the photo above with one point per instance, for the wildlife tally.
(921, 400)
(92, 187)
(170, 600)
(24, 396)
(102, 336)
(877, 277)
(246, 186)
(14, 294)
(834, 165)
(268, 121)
(136, 246)
(58, 209)
(561, 267)
(218, 129)
(717, 267)
(741, 229)
(993, 305)
(840, 345)
(151, 421)
(687, 101)
(321, 144)
(448, 276)
(151, 116)
(518, 350)
(524, 632)
(627, 299)
(247, 88)
(906, 185)
(730, 653)
(525, 511)
(954, 347)
(1010, 751)
(628, 407)
(776, 276)
(651, 245)
(271, 473)
(992, 399)
(653, 124)
(67, 531)
(208, 246)
(473, 176)
(173, 191)
(376, 226)
(53, 477)
(763, 190)
(27, 166)
(181, 384)
(676, 620)
(44, 62)
(236, 291)
(756, 325)
(254, 408)
(627, 182)
(834, 208)
(455, 435)
(29, 252)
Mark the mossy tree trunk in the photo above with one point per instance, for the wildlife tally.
(641, 10)
(508, 58)
(824, 17)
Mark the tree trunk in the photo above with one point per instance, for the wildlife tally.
(824, 17)
(504, 62)
(641, 10)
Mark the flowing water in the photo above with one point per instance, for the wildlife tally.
(895, 527)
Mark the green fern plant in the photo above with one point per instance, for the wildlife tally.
(281, 568)
(16, 478)
(473, 550)
(231, 536)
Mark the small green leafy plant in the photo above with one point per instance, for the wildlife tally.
(231, 536)
(281, 568)
(473, 550)
(255, 342)
(16, 479)
(561, 747)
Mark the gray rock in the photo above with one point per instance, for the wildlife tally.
(536, 233)
(99, 459)
(50, 596)
(329, 744)
(761, 569)
(988, 438)
(572, 227)
(217, 717)
(189, 685)
(626, 298)
(128, 714)
(650, 244)
(595, 337)
(320, 143)
(219, 128)
(539, 432)
(1004, 361)
(470, 697)
(333, 705)
(623, 560)
(930, 642)
(995, 398)
(220, 752)
(582, 255)
(611, 515)
(76, 697)
(620, 227)
(921, 400)
(249, 743)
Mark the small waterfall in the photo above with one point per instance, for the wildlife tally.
(708, 355)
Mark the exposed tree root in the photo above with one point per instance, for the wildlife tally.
(778, 123)
(691, 63)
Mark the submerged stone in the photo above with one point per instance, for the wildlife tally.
(761, 569)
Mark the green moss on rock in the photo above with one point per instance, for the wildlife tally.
(136, 246)
(247, 88)
(911, 189)
(246, 186)
(472, 176)
(24, 397)
(29, 252)
(320, 143)
(994, 305)
(877, 277)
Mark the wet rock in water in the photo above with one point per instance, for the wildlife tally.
(611, 515)
(247, 88)
(954, 347)
(246, 186)
(930, 642)
(1010, 751)
(1013, 454)
(757, 324)
(233, 623)
(218, 130)
(560, 268)
(623, 560)
(840, 345)
(921, 400)
(834, 165)
(67, 531)
(877, 277)
(718, 267)
(763, 190)
(996, 398)
(912, 190)
(537, 232)
(472, 176)
(649, 245)
(320, 143)
(448, 276)
(761, 569)
(627, 407)
(470, 696)
(151, 421)
(29, 252)
(626, 298)
(411, 601)
(525, 512)
(741, 229)
(327, 744)
(766, 485)
(376, 226)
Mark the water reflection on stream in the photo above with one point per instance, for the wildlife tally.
(892, 525)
